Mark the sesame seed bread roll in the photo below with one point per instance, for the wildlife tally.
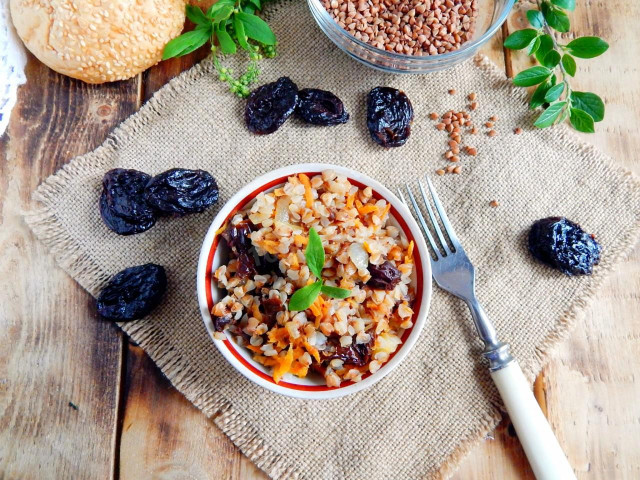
(98, 40)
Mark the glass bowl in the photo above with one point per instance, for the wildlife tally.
(491, 15)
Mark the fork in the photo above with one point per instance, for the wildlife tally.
(453, 271)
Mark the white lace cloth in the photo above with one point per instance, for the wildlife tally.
(12, 62)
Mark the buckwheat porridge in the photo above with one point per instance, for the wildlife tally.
(368, 261)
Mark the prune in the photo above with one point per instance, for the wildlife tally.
(220, 322)
(384, 276)
(246, 265)
(180, 191)
(389, 116)
(564, 245)
(269, 106)
(320, 107)
(267, 264)
(122, 205)
(133, 292)
(270, 308)
(238, 236)
(357, 354)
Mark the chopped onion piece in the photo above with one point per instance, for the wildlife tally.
(282, 210)
(359, 256)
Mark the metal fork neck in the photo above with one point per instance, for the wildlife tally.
(496, 352)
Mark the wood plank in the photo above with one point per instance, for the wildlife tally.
(589, 384)
(60, 365)
(165, 436)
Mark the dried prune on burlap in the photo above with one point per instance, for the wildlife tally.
(320, 107)
(180, 191)
(564, 245)
(269, 106)
(133, 292)
(122, 205)
(389, 116)
(384, 276)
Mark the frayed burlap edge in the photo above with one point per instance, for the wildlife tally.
(76, 262)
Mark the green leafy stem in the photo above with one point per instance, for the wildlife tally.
(234, 24)
(304, 297)
(555, 94)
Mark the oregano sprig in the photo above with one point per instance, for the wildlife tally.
(557, 65)
(304, 297)
(235, 26)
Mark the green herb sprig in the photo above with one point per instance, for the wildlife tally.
(555, 94)
(304, 297)
(236, 27)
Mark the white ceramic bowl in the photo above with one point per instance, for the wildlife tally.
(214, 254)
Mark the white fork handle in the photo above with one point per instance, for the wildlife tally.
(543, 451)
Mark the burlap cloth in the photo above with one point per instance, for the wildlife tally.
(419, 420)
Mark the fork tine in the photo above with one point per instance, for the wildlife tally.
(434, 222)
(421, 220)
(443, 216)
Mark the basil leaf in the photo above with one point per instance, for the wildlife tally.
(535, 18)
(532, 76)
(213, 9)
(256, 28)
(241, 36)
(314, 253)
(533, 46)
(581, 120)
(590, 103)
(546, 45)
(303, 298)
(256, 3)
(549, 116)
(537, 99)
(520, 39)
(556, 19)
(551, 59)
(587, 47)
(222, 14)
(196, 15)
(249, 8)
(227, 45)
(335, 292)
(186, 43)
(569, 64)
(566, 4)
(554, 93)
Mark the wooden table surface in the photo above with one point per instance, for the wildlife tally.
(79, 400)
